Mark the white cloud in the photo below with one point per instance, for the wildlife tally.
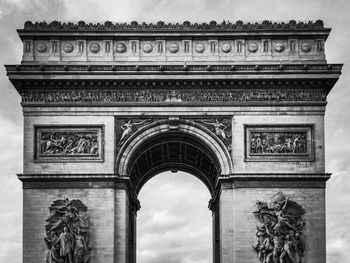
(13, 13)
(174, 223)
(10, 191)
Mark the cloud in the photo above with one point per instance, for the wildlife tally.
(10, 190)
(180, 232)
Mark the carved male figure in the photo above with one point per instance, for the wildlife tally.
(287, 250)
(66, 241)
(80, 248)
(53, 253)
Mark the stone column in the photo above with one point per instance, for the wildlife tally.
(226, 223)
(121, 225)
(223, 232)
(125, 223)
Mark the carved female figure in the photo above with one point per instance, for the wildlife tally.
(128, 129)
(219, 128)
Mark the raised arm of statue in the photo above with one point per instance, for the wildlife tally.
(285, 203)
(209, 123)
(139, 123)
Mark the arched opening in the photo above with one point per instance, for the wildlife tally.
(174, 151)
(174, 223)
(185, 147)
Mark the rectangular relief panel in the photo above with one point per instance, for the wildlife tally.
(281, 143)
(69, 143)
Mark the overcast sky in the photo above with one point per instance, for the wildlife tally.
(172, 226)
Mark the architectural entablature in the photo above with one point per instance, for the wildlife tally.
(146, 43)
(153, 85)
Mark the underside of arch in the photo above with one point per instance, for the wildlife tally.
(157, 148)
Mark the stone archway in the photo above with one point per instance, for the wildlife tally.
(196, 85)
(167, 145)
(200, 133)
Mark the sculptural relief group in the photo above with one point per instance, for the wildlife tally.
(278, 143)
(191, 95)
(68, 143)
(280, 237)
(67, 232)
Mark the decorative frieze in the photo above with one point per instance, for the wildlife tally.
(279, 143)
(225, 50)
(68, 143)
(67, 232)
(280, 230)
(224, 41)
(172, 96)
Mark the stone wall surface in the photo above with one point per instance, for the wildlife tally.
(101, 211)
(288, 121)
(244, 223)
(32, 166)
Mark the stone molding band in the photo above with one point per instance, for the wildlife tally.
(156, 104)
(269, 180)
(222, 178)
(43, 69)
(186, 26)
(147, 97)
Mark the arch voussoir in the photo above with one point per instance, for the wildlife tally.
(199, 137)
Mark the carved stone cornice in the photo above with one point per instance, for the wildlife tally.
(58, 42)
(274, 180)
(141, 80)
(76, 181)
(267, 180)
(185, 26)
(171, 69)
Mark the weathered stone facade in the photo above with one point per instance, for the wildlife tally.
(240, 106)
